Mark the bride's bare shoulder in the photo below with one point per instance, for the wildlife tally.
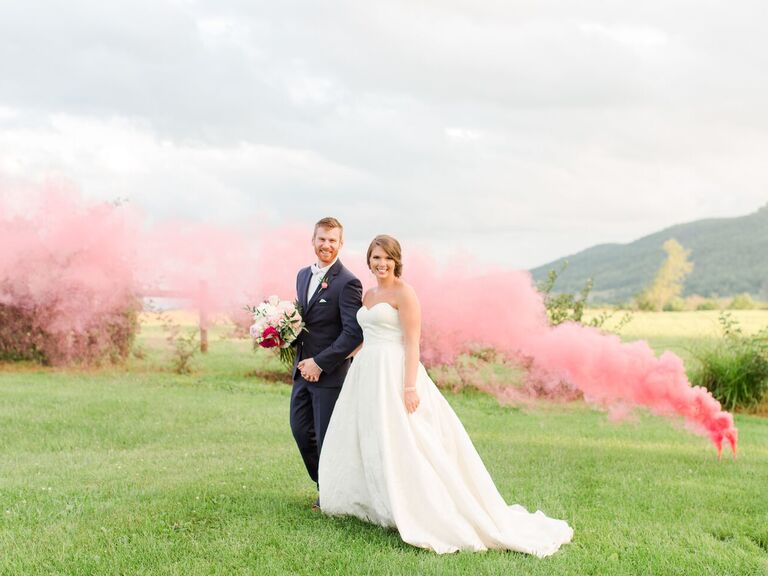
(367, 296)
(406, 294)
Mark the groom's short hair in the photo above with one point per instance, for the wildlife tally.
(329, 223)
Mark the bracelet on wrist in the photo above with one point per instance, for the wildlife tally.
(409, 388)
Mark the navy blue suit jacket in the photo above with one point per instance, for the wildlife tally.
(331, 320)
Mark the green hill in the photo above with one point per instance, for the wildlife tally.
(730, 256)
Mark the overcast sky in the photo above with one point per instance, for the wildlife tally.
(517, 131)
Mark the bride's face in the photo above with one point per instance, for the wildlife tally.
(381, 264)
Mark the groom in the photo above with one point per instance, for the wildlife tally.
(330, 296)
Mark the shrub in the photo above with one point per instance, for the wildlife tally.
(241, 320)
(30, 333)
(20, 336)
(563, 307)
(708, 305)
(184, 343)
(645, 305)
(735, 368)
(674, 305)
(67, 286)
(742, 302)
(566, 307)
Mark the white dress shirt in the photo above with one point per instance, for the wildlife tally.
(317, 275)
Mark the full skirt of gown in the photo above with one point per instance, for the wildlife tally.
(418, 473)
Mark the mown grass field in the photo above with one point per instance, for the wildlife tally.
(138, 470)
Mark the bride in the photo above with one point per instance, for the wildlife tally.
(396, 454)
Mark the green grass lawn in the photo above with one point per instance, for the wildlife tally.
(141, 471)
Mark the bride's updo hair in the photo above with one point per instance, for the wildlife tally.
(391, 247)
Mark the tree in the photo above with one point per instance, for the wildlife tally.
(669, 280)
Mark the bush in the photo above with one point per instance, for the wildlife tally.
(184, 343)
(67, 279)
(742, 302)
(20, 336)
(735, 369)
(29, 333)
(708, 305)
(563, 307)
(645, 305)
(566, 307)
(674, 305)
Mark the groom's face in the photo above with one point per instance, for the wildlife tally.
(327, 242)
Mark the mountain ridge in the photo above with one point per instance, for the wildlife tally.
(730, 256)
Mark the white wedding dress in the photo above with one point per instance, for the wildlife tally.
(419, 472)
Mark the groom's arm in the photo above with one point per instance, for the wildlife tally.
(351, 336)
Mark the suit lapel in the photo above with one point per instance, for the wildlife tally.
(304, 287)
(329, 276)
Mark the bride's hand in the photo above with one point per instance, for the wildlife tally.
(411, 398)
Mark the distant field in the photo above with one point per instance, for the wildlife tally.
(678, 332)
(682, 332)
(644, 324)
(702, 324)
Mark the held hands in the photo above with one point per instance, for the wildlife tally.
(411, 399)
(309, 369)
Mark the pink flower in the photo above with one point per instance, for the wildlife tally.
(324, 285)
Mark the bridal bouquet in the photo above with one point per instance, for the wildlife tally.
(276, 324)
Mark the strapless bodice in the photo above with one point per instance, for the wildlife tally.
(380, 324)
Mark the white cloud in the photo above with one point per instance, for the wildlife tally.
(520, 131)
(462, 135)
(634, 37)
(121, 158)
(7, 113)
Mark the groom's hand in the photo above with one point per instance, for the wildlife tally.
(309, 369)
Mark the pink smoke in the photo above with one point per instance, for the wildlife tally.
(281, 253)
(222, 269)
(66, 277)
(464, 306)
(502, 310)
(209, 265)
(82, 259)
(78, 261)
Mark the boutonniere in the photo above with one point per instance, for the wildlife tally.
(324, 282)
